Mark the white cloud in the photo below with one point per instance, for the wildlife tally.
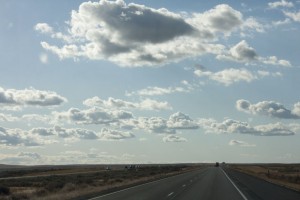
(240, 143)
(280, 23)
(252, 24)
(137, 35)
(109, 134)
(44, 58)
(150, 104)
(242, 52)
(46, 29)
(36, 118)
(73, 134)
(222, 19)
(18, 137)
(153, 125)
(181, 121)
(282, 3)
(293, 15)
(7, 118)
(269, 108)
(184, 87)
(43, 28)
(174, 138)
(111, 103)
(227, 76)
(176, 121)
(273, 60)
(92, 116)
(230, 126)
(76, 133)
(65, 157)
(29, 97)
(154, 91)
(22, 158)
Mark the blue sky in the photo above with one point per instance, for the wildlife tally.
(149, 81)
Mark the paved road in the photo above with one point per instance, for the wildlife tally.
(210, 183)
(257, 189)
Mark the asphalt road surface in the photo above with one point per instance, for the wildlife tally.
(206, 184)
(210, 183)
(257, 189)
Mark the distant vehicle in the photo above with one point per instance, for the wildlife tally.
(217, 164)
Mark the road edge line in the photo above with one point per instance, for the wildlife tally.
(244, 197)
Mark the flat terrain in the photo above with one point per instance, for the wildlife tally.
(287, 175)
(146, 182)
(69, 182)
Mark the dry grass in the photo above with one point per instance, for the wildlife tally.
(73, 183)
(287, 175)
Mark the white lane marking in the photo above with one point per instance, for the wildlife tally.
(170, 194)
(94, 198)
(244, 197)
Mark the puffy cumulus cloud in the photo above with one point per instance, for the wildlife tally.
(76, 132)
(220, 19)
(174, 138)
(242, 52)
(92, 116)
(282, 3)
(111, 103)
(230, 126)
(29, 97)
(240, 143)
(66, 133)
(153, 125)
(269, 108)
(109, 134)
(79, 133)
(293, 15)
(18, 137)
(276, 129)
(150, 104)
(43, 131)
(177, 121)
(43, 28)
(137, 35)
(181, 121)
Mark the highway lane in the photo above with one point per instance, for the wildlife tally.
(257, 189)
(210, 183)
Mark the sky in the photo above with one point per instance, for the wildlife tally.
(160, 81)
